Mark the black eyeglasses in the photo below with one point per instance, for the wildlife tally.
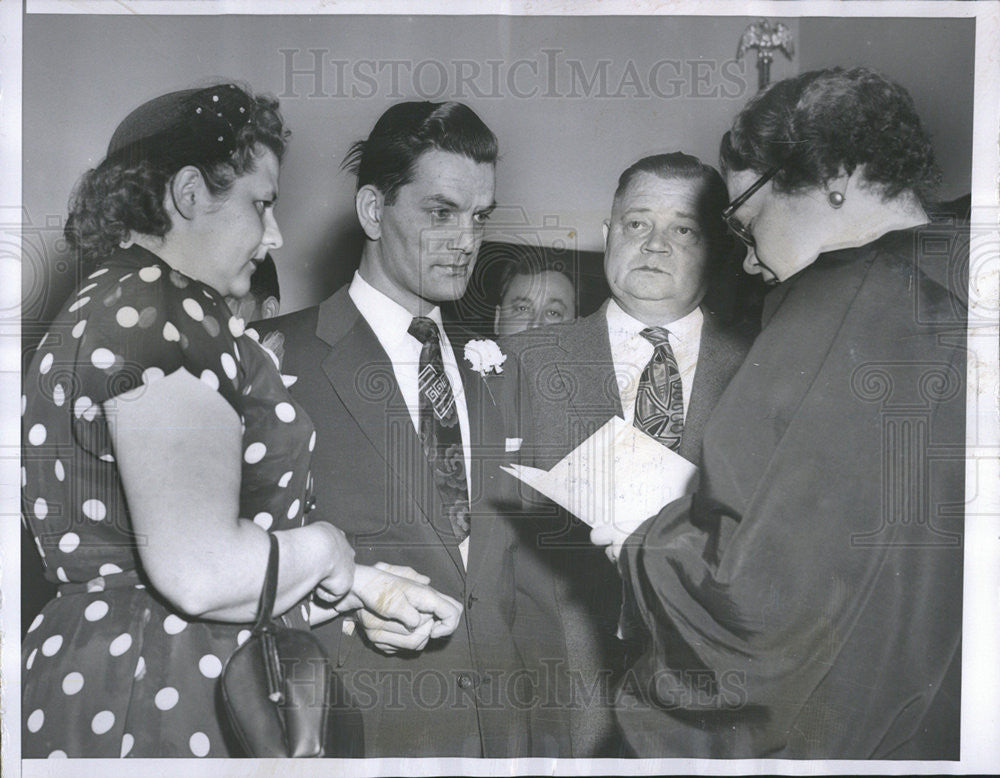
(728, 215)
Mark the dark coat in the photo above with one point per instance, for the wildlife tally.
(806, 602)
(459, 696)
(561, 388)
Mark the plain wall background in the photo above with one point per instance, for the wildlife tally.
(562, 149)
(933, 58)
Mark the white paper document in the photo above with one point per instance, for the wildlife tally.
(618, 475)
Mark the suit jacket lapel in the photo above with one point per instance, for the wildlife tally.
(589, 375)
(362, 376)
(486, 435)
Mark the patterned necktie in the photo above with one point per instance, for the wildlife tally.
(659, 403)
(439, 431)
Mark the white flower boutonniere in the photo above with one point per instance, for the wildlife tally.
(485, 356)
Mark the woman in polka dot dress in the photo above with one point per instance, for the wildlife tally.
(160, 444)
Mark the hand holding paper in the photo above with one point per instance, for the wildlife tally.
(613, 481)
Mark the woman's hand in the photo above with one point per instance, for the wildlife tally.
(399, 611)
(341, 576)
(613, 538)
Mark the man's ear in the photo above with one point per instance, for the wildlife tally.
(606, 229)
(187, 190)
(270, 307)
(368, 203)
(496, 321)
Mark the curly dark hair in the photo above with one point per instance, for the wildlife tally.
(812, 126)
(125, 193)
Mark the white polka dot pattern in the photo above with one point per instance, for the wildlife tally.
(228, 365)
(96, 611)
(127, 316)
(166, 698)
(120, 645)
(102, 722)
(36, 720)
(69, 542)
(199, 744)
(52, 645)
(210, 666)
(254, 453)
(102, 358)
(72, 683)
(81, 405)
(170, 333)
(94, 509)
(193, 309)
(77, 660)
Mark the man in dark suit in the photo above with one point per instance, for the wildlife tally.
(653, 355)
(408, 452)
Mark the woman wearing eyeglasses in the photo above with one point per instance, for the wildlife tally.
(806, 601)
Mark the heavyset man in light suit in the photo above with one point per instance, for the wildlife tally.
(386, 384)
(662, 240)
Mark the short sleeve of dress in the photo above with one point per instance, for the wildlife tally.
(141, 323)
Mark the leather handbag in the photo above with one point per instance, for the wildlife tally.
(280, 695)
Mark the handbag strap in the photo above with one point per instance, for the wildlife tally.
(270, 590)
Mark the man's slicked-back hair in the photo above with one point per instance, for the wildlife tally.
(685, 167)
(387, 157)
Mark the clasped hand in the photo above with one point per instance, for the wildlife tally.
(397, 608)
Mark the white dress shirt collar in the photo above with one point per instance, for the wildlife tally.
(630, 352)
(389, 320)
(623, 326)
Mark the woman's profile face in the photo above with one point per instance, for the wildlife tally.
(238, 228)
(782, 226)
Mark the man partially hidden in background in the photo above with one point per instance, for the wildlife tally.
(535, 290)
(654, 355)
